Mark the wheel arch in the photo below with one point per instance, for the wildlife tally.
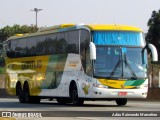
(70, 86)
(75, 94)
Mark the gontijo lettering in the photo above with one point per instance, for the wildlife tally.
(32, 64)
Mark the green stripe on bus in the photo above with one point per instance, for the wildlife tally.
(134, 82)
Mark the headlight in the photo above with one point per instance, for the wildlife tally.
(99, 85)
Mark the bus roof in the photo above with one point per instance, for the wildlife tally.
(65, 27)
(114, 27)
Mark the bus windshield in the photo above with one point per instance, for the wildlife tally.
(120, 62)
(119, 54)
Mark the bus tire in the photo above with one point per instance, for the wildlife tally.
(20, 93)
(74, 96)
(27, 96)
(122, 101)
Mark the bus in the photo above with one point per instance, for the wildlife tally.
(73, 63)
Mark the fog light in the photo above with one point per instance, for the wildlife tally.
(144, 93)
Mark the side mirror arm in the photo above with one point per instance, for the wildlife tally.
(153, 51)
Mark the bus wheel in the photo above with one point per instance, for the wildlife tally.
(74, 96)
(20, 94)
(122, 101)
(26, 93)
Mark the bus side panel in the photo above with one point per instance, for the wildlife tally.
(29, 69)
(54, 76)
(10, 88)
(11, 75)
(73, 71)
(66, 69)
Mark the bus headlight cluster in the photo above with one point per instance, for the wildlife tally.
(99, 85)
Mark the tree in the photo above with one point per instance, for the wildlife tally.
(8, 31)
(153, 35)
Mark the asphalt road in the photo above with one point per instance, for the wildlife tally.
(90, 110)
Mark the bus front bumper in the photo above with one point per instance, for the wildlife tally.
(119, 93)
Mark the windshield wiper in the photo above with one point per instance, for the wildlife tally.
(132, 71)
(118, 64)
(127, 64)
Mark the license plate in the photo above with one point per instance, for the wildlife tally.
(122, 93)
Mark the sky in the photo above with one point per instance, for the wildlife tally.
(128, 12)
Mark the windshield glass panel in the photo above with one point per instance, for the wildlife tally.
(121, 62)
(134, 60)
(107, 58)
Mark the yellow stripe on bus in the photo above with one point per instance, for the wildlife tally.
(114, 83)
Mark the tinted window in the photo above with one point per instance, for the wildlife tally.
(61, 44)
(21, 47)
(8, 48)
(13, 48)
(40, 48)
(57, 43)
(84, 51)
(85, 38)
(51, 44)
(73, 42)
(31, 46)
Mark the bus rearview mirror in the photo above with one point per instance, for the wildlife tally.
(154, 52)
(92, 51)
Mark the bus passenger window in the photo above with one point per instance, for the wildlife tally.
(21, 47)
(31, 46)
(51, 44)
(13, 48)
(61, 44)
(73, 42)
(84, 51)
(8, 49)
(40, 48)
